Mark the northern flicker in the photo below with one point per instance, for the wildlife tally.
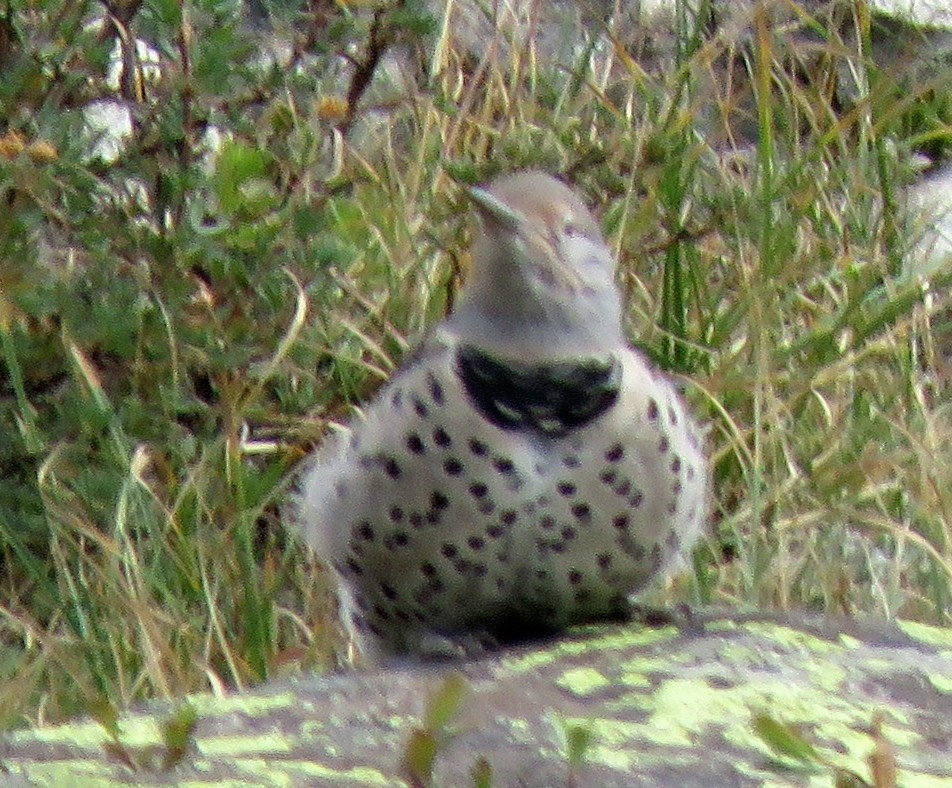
(525, 469)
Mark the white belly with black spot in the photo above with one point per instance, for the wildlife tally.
(437, 519)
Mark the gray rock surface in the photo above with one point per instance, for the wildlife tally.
(646, 707)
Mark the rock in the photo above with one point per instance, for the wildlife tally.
(644, 707)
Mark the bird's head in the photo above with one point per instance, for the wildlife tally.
(542, 278)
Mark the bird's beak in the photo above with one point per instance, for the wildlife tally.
(493, 210)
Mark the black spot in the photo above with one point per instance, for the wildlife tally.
(690, 473)
(421, 596)
(608, 476)
(673, 540)
(391, 468)
(635, 499)
(624, 488)
(673, 507)
(382, 614)
(558, 547)
(582, 512)
(449, 550)
(652, 410)
(364, 530)
(500, 583)
(428, 569)
(403, 615)
(547, 522)
(575, 577)
(388, 591)
(340, 489)
(415, 443)
(676, 488)
(621, 522)
(420, 407)
(396, 399)
(416, 519)
(568, 534)
(566, 489)
(480, 570)
(495, 531)
(478, 489)
(663, 444)
(508, 517)
(583, 596)
(571, 461)
(438, 501)
(432, 517)
(631, 548)
(672, 415)
(503, 465)
(461, 566)
(476, 542)
(676, 464)
(441, 437)
(398, 539)
(436, 390)
(396, 514)
(615, 453)
(478, 448)
(541, 574)
(486, 506)
(453, 467)
(354, 567)
(604, 560)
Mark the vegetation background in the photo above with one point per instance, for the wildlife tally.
(221, 227)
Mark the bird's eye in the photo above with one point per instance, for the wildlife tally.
(571, 228)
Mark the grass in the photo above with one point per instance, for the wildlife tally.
(175, 334)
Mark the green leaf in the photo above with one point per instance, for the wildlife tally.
(578, 740)
(482, 773)
(444, 704)
(237, 165)
(784, 739)
(419, 756)
(177, 733)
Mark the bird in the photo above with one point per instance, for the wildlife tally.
(525, 469)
